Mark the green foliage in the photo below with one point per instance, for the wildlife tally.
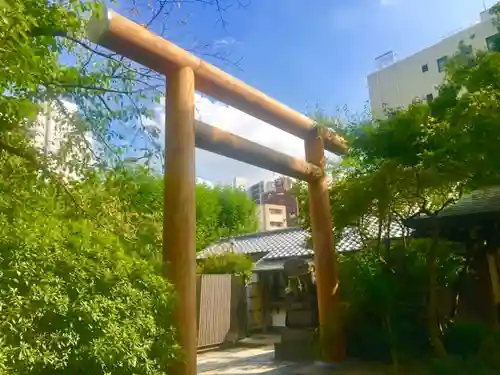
(424, 157)
(227, 263)
(222, 212)
(464, 339)
(33, 75)
(473, 348)
(73, 298)
(81, 287)
(458, 366)
(81, 276)
(386, 301)
(417, 160)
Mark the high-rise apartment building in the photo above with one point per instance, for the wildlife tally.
(282, 184)
(239, 183)
(279, 185)
(53, 128)
(256, 191)
(275, 198)
(398, 83)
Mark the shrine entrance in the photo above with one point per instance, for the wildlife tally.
(186, 73)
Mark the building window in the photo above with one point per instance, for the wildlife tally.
(467, 50)
(276, 211)
(493, 43)
(429, 97)
(441, 63)
(467, 53)
(277, 288)
(425, 68)
(276, 224)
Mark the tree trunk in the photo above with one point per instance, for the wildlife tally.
(458, 285)
(393, 345)
(385, 258)
(432, 306)
(379, 235)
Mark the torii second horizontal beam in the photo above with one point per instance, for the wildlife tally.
(223, 143)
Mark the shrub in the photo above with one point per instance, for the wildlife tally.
(72, 300)
(386, 302)
(227, 263)
(474, 342)
(464, 339)
(458, 366)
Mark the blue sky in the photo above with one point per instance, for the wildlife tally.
(306, 53)
(320, 51)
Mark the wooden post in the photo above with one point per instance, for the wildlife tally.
(179, 222)
(332, 340)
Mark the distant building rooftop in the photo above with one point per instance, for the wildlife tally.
(390, 57)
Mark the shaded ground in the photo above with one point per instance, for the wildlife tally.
(260, 360)
(243, 360)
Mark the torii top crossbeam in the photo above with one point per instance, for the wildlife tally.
(129, 39)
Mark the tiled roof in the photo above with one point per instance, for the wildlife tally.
(287, 243)
(292, 242)
(352, 237)
(295, 244)
(479, 201)
(482, 201)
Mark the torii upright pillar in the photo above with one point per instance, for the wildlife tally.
(179, 221)
(332, 341)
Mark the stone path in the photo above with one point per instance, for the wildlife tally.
(242, 360)
(250, 361)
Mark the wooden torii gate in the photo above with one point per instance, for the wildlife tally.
(186, 73)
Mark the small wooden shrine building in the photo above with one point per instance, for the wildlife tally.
(474, 221)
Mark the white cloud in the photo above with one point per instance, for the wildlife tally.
(219, 169)
(388, 2)
(224, 42)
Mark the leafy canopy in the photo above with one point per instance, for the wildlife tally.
(81, 287)
(227, 263)
(74, 298)
(416, 160)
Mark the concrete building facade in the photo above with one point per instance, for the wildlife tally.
(51, 127)
(398, 84)
(271, 217)
(256, 191)
(286, 199)
(53, 131)
(279, 185)
(239, 183)
(277, 207)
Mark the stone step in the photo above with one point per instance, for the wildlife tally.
(295, 335)
(300, 318)
(293, 351)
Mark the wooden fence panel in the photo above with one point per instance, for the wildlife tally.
(214, 322)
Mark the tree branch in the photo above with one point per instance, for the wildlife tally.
(101, 89)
